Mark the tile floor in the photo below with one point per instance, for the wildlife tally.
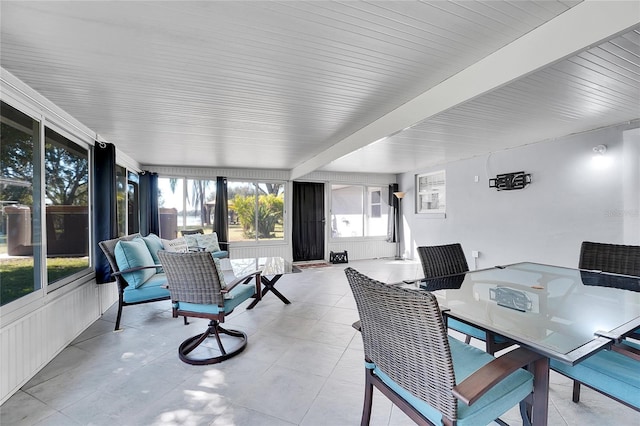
(302, 366)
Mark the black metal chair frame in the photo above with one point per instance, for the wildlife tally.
(108, 248)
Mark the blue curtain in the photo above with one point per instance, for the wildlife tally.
(149, 210)
(221, 213)
(104, 188)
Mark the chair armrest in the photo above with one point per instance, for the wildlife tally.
(243, 280)
(476, 385)
(137, 268)
(626, 350)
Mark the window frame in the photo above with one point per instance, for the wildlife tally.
(86, 144)
(366, 192)
(285, 223)
(47, 291)
(427, 189)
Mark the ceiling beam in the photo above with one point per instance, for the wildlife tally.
(581, 27)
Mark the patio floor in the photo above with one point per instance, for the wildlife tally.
(303, 365)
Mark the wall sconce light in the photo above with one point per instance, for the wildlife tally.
(600, 149)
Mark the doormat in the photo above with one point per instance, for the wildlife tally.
(312, 265)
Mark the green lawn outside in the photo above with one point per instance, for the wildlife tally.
(16, 274)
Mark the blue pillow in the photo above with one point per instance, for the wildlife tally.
(154, 244)
(131, 254)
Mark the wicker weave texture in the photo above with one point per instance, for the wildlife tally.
(192, 277)
(438, 261)
(404, 335)
(614, 258)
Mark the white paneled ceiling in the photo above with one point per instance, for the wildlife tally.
(302, 86)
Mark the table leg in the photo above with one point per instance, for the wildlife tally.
(540, 407)
(269, 285)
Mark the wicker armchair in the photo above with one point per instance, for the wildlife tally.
(614, 372)
(449, 259)
(198, 289)
(412, 361)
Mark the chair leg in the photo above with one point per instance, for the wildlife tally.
(119, 315)
(368, 398)
(576, 391)
(467, 339)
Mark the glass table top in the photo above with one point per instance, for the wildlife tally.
(563, 313)
(268, 266)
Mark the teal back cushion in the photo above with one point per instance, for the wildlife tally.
(132, 254)
(154, 244)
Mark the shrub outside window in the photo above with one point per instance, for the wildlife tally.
(256, 211)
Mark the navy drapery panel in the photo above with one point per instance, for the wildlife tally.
(394, 218)
(221, 213)
(104, 189)
(149, 210)
(308, 221)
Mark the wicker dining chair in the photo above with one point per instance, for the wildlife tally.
(432, 377)
(449, 259)
(614, 372)
(613, 258)
(198, 289)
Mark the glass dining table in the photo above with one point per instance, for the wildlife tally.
(271, 270)
(560, 313)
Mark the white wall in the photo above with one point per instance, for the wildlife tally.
(570, 199)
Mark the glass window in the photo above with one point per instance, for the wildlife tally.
(121, 200)
(133, 203)
(171, 205)
(20, 202)
(347, 211)
(431, 192)
(377, 212)
(256, 211)
(358, 211)
(201, 198)
(67, 206)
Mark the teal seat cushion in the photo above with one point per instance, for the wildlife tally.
(133, 254)
(220, 254)
(149, 290)
(469, 330)
(466, 360)
(235, 297)
(610, 372)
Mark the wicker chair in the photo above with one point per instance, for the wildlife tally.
(449, 259)
(410, 358)
(614, 372)
(613, 258)
(198, 289)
